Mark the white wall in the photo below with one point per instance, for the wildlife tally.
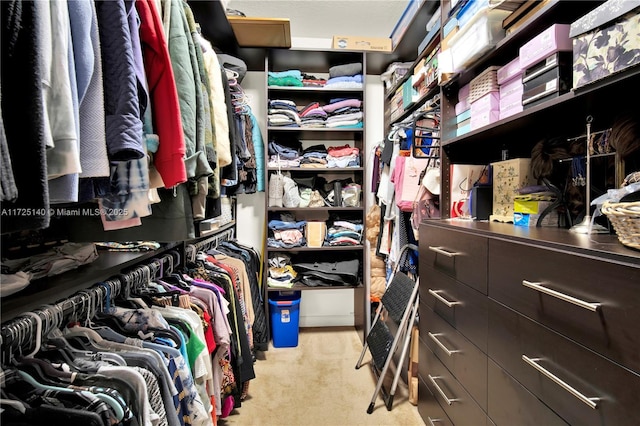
(326, 307)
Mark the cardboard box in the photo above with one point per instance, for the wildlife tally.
(508, 177)
(618, 21)
(377, 44)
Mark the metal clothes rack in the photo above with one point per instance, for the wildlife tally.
(24, 332)
(208, 243)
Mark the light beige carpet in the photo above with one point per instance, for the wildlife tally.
(316, 383)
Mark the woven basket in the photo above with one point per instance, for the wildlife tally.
(625, 218)
(485, 82)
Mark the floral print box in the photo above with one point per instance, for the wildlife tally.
(605, 41)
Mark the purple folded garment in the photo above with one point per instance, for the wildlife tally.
(345, 103)
(314, 111)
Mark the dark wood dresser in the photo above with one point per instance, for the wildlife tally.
(527, 326)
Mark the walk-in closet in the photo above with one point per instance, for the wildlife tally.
(248, 212)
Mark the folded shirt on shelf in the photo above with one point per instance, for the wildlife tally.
(345, 70)
(331, 107)
(284, 112)
(344, 150)
(351, 124)
(284, 82)
(289, 73)
(277, 161)
(354, 82)
(343, 162)
(345, 117)
(282, 104)
(290, 78)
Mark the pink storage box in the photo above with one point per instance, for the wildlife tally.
(511, 87)
(488, 102)
(511, 105)
(484, 118)
(509, 71)
(462, 106)
(463, 92)
(553, 39)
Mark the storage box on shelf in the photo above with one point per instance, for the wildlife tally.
(605, 41)
(546, 79)
(480, 34)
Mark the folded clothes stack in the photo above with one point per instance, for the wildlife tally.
(347, 76)
(313, 115)
(283, 113)
(344, 113)
(344, 233)
(343, 156)
(290, 78)
(314, 157)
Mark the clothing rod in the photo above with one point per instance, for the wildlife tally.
(225, 235)
(607, 154)
(584, 136)
(18, 332)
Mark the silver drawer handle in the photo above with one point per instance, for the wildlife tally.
(442, 299)
(542, 289)
(591, 402)
(444, 252)
(448, 400)
(439, 343)
(432, 422)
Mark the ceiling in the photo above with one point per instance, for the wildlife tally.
(326, 18)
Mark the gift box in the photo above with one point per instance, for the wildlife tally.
(605, 41)
(508, 177)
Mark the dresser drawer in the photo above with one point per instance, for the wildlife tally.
(511, 404)
(429, 408)
(462, 307)
(453, 398)
(581, 386)
(467, 363)
(594, 302)
(460, 255)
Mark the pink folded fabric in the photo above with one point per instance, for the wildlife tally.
(341, 104)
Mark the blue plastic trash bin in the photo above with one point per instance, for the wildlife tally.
(285, 319)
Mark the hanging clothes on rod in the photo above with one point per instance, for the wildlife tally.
(150, 324)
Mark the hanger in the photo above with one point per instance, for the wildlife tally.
(18, 405)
